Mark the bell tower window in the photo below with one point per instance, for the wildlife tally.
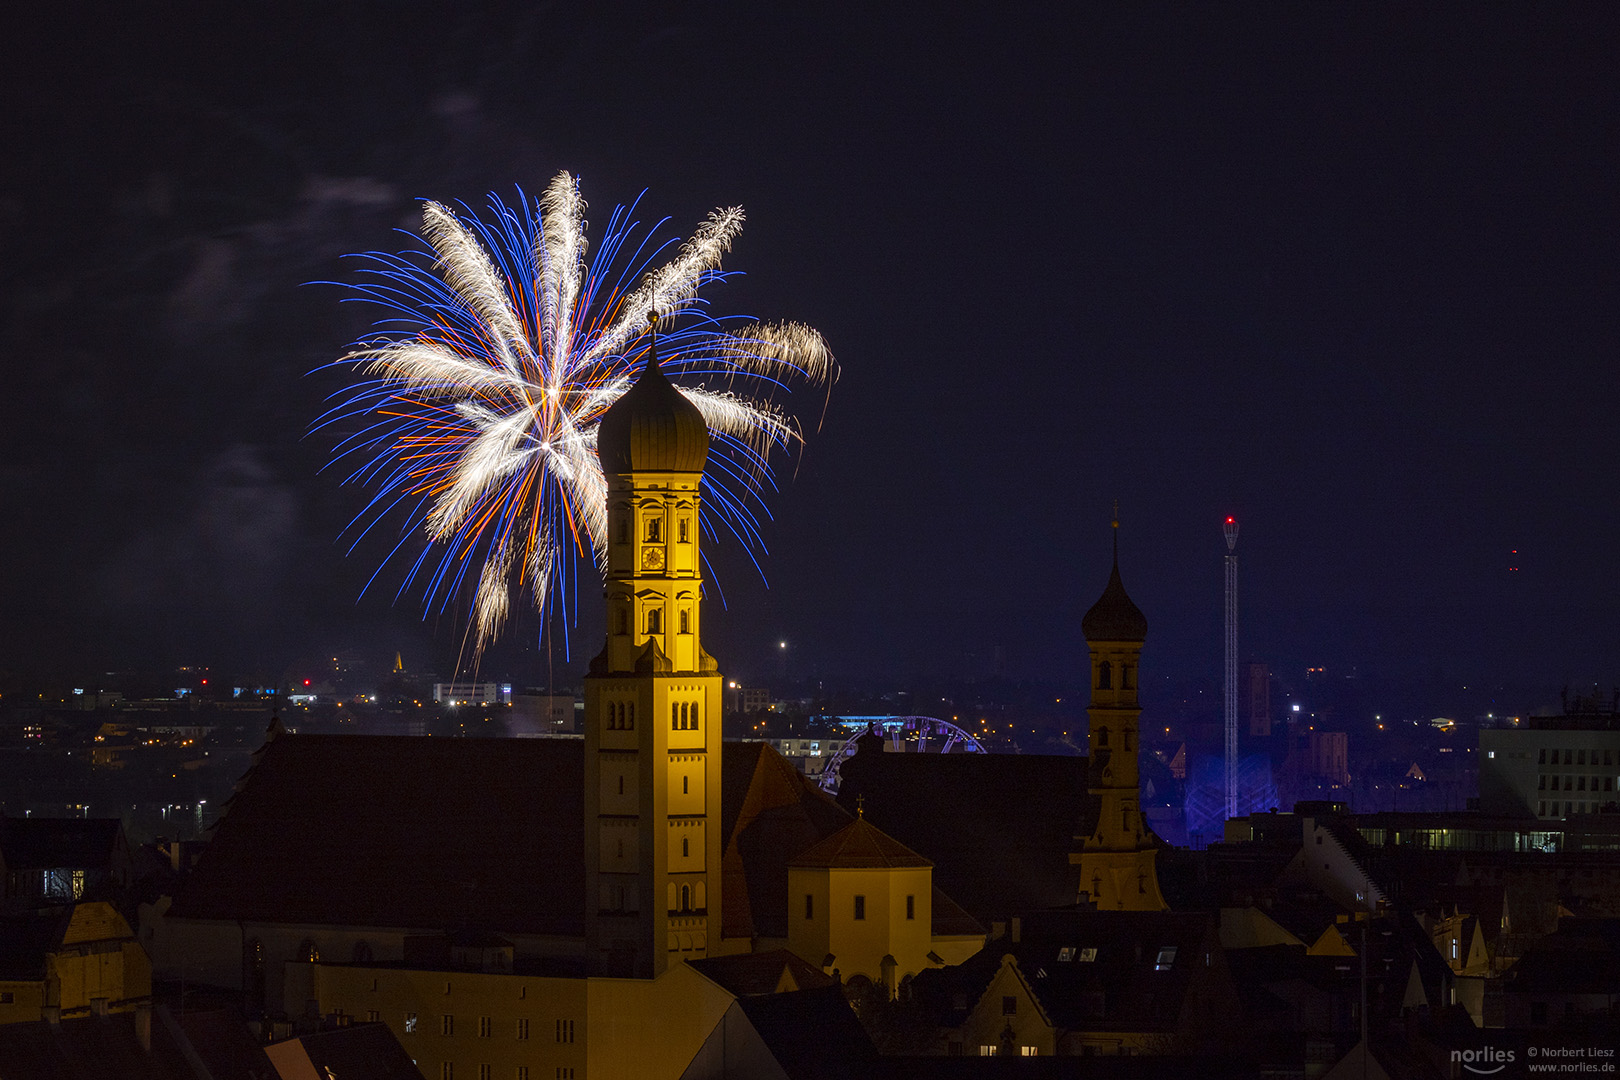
(655, 621)
(655, 530)
(683, 529)
(686, 621)
(1105, 676)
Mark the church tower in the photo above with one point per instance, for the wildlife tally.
(1117, 859)
(652, 699)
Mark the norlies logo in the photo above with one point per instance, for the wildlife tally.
(1484, 1062)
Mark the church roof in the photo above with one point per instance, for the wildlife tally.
(997, 827)
(653, 427)
(859, 845)
(392, 831)
(1114, 617)
(434, 834)
(770, 812)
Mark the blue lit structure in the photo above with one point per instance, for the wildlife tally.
(905, 734)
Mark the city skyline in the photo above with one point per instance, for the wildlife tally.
(1345, 276)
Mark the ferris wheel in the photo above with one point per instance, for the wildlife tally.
(904, 735)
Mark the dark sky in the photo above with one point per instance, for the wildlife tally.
(1346, 271)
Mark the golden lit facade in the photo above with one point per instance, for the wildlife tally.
(652, 701)
(1117, 859)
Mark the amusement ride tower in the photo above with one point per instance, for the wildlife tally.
(1231, 530)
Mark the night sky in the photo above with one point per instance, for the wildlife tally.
(1348, 272)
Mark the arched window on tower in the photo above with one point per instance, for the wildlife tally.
(624, 530)
(692, 717)
(623, 621)
(630, 717)
(655, 530)
(684, 528)
(686, 850)
(1105, 676)
(1124, 676)
(674, 716)
(686, 898)
(686, 621)
(1102, 737)
(655, 620)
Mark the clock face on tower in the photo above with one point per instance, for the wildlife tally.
(652, 558)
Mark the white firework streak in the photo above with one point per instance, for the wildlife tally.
(470, 271)
(425, 368)
(500, 450)
(755, 426)
(667, 289)
(779, 350)
(529, 391)
(561, 241)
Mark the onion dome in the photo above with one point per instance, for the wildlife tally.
(1114, 617)
(652, 427)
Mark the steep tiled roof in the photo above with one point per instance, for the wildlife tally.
(403, 832)
(997, 827)
(859, 845)
(427, 833)
(769, 813)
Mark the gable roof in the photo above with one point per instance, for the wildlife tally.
(1130, 981)
(750, 974)
(859, 845)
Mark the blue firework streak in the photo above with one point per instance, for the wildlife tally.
(478, 404)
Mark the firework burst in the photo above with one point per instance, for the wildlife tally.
(506, 344)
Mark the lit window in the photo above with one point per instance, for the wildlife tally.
(987, 1049)
(1066, 954)
(1029, 1051)
(1166, 959)
(447, 1025)
(1088, 956)
(410, 1023)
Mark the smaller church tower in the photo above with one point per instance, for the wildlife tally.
(652, 699)
(1117, 859)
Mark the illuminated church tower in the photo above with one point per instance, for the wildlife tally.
(652, 699)
(1117, 859)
